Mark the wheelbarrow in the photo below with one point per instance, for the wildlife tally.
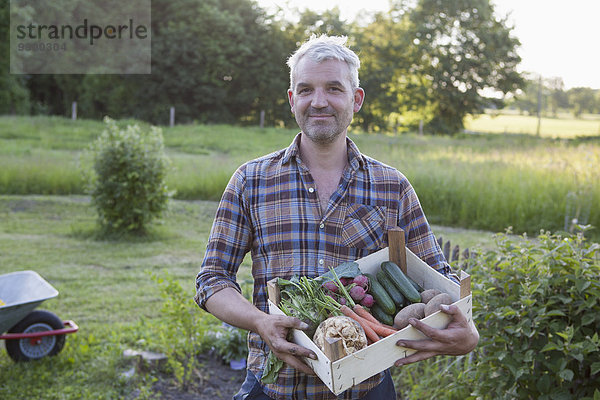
(31, 334)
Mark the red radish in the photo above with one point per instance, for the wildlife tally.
(361, 280)
(357, 293)
(367, 301)
(331, 286)
(342, 301)
(346, 281)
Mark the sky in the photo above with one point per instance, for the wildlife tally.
(559, 38)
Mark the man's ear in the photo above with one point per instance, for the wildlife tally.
(291, 99)
(359, 98)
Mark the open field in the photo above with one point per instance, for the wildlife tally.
(565, 126)
(485, 182)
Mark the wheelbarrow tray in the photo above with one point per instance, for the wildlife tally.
(22, 292)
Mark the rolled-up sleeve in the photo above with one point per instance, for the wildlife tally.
(228, 243)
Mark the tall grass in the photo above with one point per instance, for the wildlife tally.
(475, 181)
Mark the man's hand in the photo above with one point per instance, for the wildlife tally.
(458, 338)
(274, 330)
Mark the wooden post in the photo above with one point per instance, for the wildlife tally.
(539, 107)
(465, 284)
(273, 291)
(262, 118)
(74, 111)
(172, 117)
(420, 127)
(397, 244)
(334, 348)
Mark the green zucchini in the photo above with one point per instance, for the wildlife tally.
(401, 281)
(380, 295)
(381, 316)
(391, 289)
(415, 284)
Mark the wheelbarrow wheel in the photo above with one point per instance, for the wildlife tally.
(33, 349)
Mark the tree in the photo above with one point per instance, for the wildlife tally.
(213, 60)
(14, 97)
(558, 97)
(397, 98)
(582, 99)
(462, 48)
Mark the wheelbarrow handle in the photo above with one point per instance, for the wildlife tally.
(70, 327)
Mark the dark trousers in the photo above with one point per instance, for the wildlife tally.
(252, 390)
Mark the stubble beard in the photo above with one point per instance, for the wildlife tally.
(324, 132)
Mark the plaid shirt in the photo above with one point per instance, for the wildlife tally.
(271, 208)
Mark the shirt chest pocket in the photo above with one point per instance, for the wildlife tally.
(364, 227)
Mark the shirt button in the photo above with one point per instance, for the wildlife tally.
(322, 225)
(321, 261)
(311, 190)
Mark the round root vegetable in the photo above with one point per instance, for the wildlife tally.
(352, 334)
(435, 304)
(357, 293)
(429, 294)
(361, 280)
(367, 301)
(331, 286)
(416, 310)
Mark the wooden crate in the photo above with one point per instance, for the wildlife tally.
(352, 369)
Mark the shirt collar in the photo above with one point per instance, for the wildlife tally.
(355, 158)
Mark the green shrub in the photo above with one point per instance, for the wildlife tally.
(537, 304)
(230, 343)
(537, 309)
(127, 184)
(183, 332)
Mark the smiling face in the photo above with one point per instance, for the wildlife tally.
(323, 100)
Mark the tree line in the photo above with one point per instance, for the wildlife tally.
(549, 96)
(424, 62)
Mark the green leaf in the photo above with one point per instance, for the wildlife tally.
(348, 269)
(588, 318)
(272, 367)
(595, 368)
(555, 313)
(566, 374)
(543, 384)
(581, 285)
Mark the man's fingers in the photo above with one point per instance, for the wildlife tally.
(455, 313)
(292, 322)
(426, 329)
(418, 356)
(421, 345)
(298, 364)
(300, 351)
(285, 347)
(291, 354)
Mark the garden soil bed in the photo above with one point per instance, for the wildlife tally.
(214, 381)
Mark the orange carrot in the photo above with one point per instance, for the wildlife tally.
(379, 327)
(371, 335)
(358, 309)
(383, 330)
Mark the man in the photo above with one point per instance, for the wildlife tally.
(300, 210)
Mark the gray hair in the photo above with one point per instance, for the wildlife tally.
(323, 48)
